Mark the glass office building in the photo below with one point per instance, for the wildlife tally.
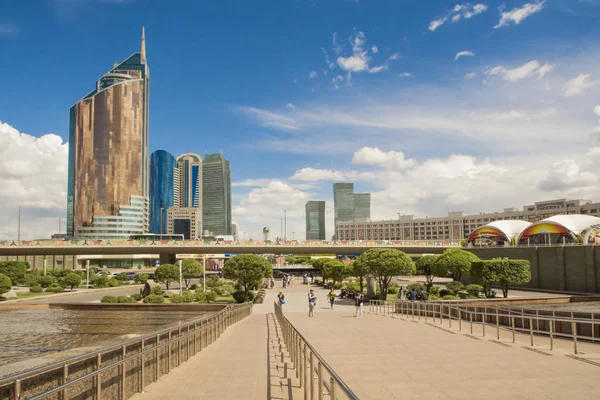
(362, 206)
(189, 193)
(349, 206)
(163, 185)
(315, 220)
(108, 183)
(216, 195)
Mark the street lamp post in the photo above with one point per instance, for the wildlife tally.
(180, 278)
(293, 235)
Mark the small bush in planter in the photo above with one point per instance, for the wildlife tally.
(450, 297)
(109, 299)
(434, 290)
(187, 296)
(444, 292)
(239, 296)
(125, 299)
(393, 288)
(135, 296)
(157, 290)
(154, 299)
(210, 296)
(474, 290)
(36, 289)
(176, 299)
(455, 287)
(55, 288)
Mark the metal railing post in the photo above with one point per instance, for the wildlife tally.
(332, 388)
(98, 379)
(169, 354)
(551, 325)
(123, 373)
(311, 379)
(65, 377)
(142, 367)
(531, 331)
(17, 393)
(484, 320)
(307, 380)
(497, 325)
(471, 320)
(574, 329)
(156, 361)
(512, 320)
(320, 379)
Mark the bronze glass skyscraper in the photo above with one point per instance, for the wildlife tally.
(107, 193)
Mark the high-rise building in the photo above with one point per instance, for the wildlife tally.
(164, 183)
(362, 206)
(108, 183)
(186, 221)
(216, 195)
(315, 220)
(190, 181)
(349, 206)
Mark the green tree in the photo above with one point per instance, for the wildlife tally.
(140, 278)
(72, 280)
(501, 272)
(167, 274)
(190, 268)
(384, 264)
(15, 270)
(248, 270)
(46, 281)
(5, 284)
(426, 266)
(457, 261)
(318, 263)
(335, 270)
(359, 270)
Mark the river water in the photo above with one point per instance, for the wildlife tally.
(28, 334)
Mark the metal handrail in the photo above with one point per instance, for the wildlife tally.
(212, 326)
(302, 353)
(494, 315)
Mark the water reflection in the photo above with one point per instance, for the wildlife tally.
(32, 333)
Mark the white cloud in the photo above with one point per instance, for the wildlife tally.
(316, 174)
(516, 74)
(470, 75)
(516, 15)
(405, 74)
(377, 69)
(34, 176)
(389, 159)
(355, 63)
(337, 81)
(328, 61)
(313, 74)
(271, 119)
(9, 28)
(252, 182)
(394, 56)
(597, 110)
(374, 49)
(465, 10)
(463, 54)
(577, 85)
(566, 175)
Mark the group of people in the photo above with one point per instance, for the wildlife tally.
(312, 302)
(413, 295)
(286, 280)
(307, 277)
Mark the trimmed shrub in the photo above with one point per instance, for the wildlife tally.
(122, 277)
(109, 299)
(5, 284)
(463, 294)
(212, 296)
(15, 270)
(176, 299)
(125, 299)
(393, 288)
(239, 296)
(337, 286)
(55, 288)
(455, 287)
(444, 292)
(72, 280)
(45, 281)
(218, 290)
(187, 296)
(157, 290)
(36, 289)
(353, 286)
(474, 290)
(113, 282)
(416, 286)
(200, 296)
(450, 297)
(135, 296)
(100, 281)
(154, 299)
(434, 290)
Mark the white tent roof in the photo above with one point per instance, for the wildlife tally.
(576, 223)
(510, 227)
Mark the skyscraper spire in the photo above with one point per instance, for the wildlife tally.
(143, 45)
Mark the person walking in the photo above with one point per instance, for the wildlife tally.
(358, 302)
(281, 298)
(284, 281)
(424, 295)
(331, 297)
(413, 295)
(304, 281)
(402, 293)
(272, 282)
(312, 302)
(312, 278)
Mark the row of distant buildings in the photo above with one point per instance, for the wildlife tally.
(115, 190)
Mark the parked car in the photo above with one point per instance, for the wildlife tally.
(130, 276)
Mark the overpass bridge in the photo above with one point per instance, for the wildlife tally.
(168, 249)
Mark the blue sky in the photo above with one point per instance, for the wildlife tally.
(425, 104)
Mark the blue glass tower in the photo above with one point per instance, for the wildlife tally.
(163, 168)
